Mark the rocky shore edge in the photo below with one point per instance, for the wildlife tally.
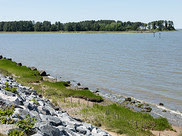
(50, 119)
(46, 126)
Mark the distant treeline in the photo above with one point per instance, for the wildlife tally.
(100, 25)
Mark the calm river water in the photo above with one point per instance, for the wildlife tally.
(131, 64)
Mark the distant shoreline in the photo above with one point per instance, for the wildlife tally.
(87, 31)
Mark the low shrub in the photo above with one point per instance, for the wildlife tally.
(16, 132)
(26, 124)
(10, 89)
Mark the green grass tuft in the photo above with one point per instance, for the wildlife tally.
(122, 120)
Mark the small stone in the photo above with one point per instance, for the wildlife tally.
(81, 129)
(56, 108)
(161, 104)
(33, 68)
(19, 64)
(128, 99)
(1, 57)
(68, 82)
(43, 73)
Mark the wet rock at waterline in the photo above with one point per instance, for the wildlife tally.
(43, 73)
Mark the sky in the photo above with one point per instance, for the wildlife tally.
(80, 10)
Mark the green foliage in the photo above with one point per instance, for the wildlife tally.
(26, 124)
(122, 120)
(26, 74)
(13, 89)
(90, 25)
(59, 89)
(15, 132)
(6, 120)
(5, 113)
(35, 101)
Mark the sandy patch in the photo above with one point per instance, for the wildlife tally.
(168, 133)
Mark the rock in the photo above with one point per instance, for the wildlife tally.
(51, 110)
(35, 115)
(43, 73)
(85, 88)
(41, 103)
(161, 104)
(19, 64)
(5, 128)
(55, 121)
(128, 99)
(82, 88)
(147, 109)
(57, 108)
(68, 82)
(82, 129)
(48, 130)
(18, 101)
(9, 59)
(29, 106)
(94, 130)
(43, 110)
(8, 93)
(33, 68)
(51, 121)
(37, 134)
(102, 134)
(20, 113)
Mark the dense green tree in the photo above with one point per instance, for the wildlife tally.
(89, 25)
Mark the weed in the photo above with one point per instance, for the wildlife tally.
(26, 124)
(15, 132)
(35, 101)
(10, 89)
(5, 113)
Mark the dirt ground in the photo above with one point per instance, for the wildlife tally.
(169, 133)
(84, 103)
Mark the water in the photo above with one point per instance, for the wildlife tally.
(131, 64)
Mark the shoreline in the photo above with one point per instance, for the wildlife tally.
(108, 94)
(89, 32)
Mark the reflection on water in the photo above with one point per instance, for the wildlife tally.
(138, 65)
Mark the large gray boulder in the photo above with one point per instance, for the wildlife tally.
(55, 121)
(20, 113)
(48, 130)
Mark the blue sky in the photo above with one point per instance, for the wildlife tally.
(79, 10)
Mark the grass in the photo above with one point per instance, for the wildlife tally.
(122, 120)
(29, 77)
(24, 73)
(113, 117)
